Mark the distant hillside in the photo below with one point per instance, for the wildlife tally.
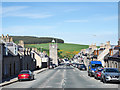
(64, 49)
(35, 40)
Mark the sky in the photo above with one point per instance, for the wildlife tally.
(74, 22)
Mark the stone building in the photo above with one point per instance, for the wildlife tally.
(53, 52)
(102, 53)
(113, 58)
(15, 58)
(1, 60)
(86, 55)
(10, 63)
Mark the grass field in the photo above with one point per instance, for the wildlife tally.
(64, 49)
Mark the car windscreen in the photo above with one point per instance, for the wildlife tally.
(112, 70)
(100, 70)
(82, 65)
(24, 72)
(96, 65)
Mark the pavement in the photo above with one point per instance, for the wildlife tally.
(62, 77)
(16, 79)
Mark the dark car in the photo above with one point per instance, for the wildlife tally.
(67, 64)
(25, 75)
(54, 65)
(61, 64)
(77, 65)
(97, 74)
(82, 67)
(74, 64)
(50, 67)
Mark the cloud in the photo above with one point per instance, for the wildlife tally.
(11, 9)
(18, 11)
(29, 15)
(75, 21)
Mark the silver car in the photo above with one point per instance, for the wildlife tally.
(110, 74)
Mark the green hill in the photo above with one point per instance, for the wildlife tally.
(64, 49)
(35, 40)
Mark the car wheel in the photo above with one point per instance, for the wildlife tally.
(90, 75)
(19, 80)
(97, 78)
(33, 77)
(30, 78)
(101, 79)
(104, 80)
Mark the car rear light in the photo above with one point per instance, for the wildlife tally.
(23, 75)
(27, 75)
(98, 74)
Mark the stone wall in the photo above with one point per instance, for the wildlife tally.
(11, 66)
(1, 59)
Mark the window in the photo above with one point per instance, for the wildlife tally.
(96, 65)
(112, 70)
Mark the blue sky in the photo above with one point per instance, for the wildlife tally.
(78, 22)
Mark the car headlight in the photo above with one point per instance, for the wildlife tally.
(92, 71)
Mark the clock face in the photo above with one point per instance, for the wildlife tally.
(53, 46)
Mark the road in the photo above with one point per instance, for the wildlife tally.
(62, 77)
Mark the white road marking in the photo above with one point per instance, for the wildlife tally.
(49, 79)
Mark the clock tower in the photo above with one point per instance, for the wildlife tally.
(53, 52)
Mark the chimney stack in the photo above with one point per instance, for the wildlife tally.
(11, 39)
(94, 52)
(7, 36)
(97, 52)
(2, 36)
(110, 52)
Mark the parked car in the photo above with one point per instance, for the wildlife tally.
(97, 74)
(25, 75)
(67, 64)
(110, 74)
(74, 64)
(93, 65)
(82, 67)
(100, 67)
(54, 65)
(61, 64)
(50, 66)
(78, 65)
